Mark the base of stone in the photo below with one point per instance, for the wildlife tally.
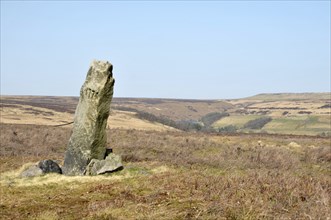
(112, 163)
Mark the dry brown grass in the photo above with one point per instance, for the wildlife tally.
(171, 175)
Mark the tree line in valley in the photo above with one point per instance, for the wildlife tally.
(204, 124)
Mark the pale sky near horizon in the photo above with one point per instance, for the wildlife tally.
(167, 49)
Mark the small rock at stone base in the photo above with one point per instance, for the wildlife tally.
(32, 171)
(112, 163)
(41, 168)
(49, 166)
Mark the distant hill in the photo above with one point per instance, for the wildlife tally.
(284, 113)
(53, 111)
(291, 96)
(290, 113)
(174, 109)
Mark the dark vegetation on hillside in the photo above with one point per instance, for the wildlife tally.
(258, 123)
(325, 106)
(204, 124)
(211, 118)
(229, 129)
(184, 125)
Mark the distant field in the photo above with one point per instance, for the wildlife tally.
(298, 124)
(311, 125)
(237, 120)
(293, 107)
(291, 113)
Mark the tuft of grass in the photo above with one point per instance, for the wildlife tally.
(47, 215)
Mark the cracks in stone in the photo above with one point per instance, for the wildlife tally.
(90, 93)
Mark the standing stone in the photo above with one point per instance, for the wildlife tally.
(88, 139)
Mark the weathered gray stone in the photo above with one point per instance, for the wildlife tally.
(88, 140)
(111, 164)
(41, 168)
(32, 171)
(49, 166)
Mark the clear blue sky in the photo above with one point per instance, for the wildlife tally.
(167, 49)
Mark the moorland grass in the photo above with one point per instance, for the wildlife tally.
(171, 175)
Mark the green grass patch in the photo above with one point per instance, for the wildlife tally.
(295, 124)
(236, 120)
(304, 125)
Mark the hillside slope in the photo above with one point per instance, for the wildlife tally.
(54, 111)
(284, 113)
(290, 113)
